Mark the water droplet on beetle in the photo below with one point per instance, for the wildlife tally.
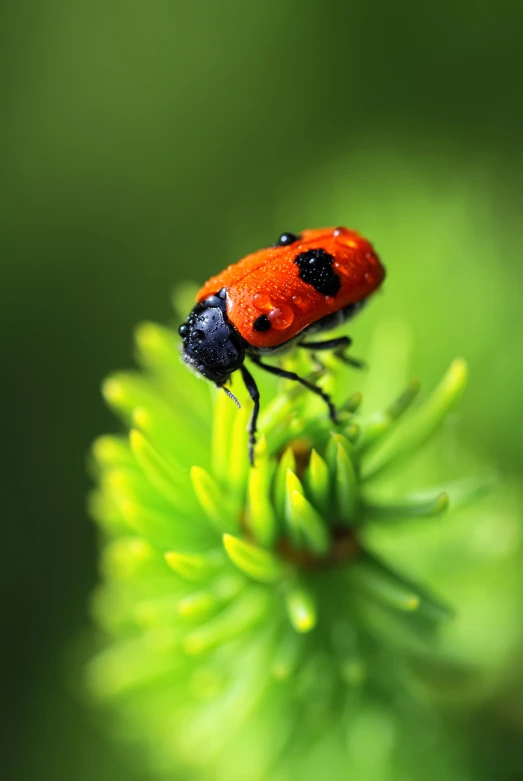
(262, 300)
(281, 317)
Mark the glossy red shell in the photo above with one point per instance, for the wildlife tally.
(268, 283)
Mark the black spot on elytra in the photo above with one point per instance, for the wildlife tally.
(262, 324)
(316, 269)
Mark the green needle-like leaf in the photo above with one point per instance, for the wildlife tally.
(172, 483)
(470, 489)
(129, 558)
(292, 485)
(318, 483)
(242, 615)
(125, 392)
(200, 604)
(193, 566)
(213, 501)
(381, 423)
(253, 561)
(382, 585)
(346, 486)
(224, 416)
(287, 656)
(238, 465)
(421, 425)
(352, 403)
(310, 527)
(156, 347)
(378, 581)
(110, 452)
(164, 428)
(286, 462)
(352, 432)
(301, 608)
(409, 509)
(261, 521)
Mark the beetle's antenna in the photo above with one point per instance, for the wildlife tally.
(231, 395)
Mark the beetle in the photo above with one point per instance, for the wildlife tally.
(275, 298)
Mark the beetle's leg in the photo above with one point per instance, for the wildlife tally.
(339, 345)
(254, 393)
(296, 378)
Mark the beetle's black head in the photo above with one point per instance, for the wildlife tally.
(211, 344)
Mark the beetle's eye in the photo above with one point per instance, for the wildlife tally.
(286, 239)
(183, 330)
(211, 301)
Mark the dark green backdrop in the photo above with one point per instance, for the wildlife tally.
(145, 143)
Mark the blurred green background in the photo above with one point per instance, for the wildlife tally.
(147, 143)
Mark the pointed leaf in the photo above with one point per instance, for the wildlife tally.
(236, 619)
(255, 562)
(346, 486)
(412, 508)
(352, 432)
(261, 520)
(352, 403)
(287, 461)
(223, 419)
(469, 489)
(126, 391)
(301, 608)
(421, 425)
(156, 611)
(292, 485)
(380, 423)
(112, 451)
(166, 427)
(379, 581)
(287, 656)
(207, 601)
(157, 346)
(238, 460)
(215, 505)
(310, 525)
(171, 482)
(129, 558)
(197, 605)
(318, 483)
(193, 566)
(382, 585)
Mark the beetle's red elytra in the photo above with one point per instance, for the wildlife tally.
(303, 284)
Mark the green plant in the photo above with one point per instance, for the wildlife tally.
(272, 623)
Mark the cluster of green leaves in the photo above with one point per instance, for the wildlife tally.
(249, 622)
